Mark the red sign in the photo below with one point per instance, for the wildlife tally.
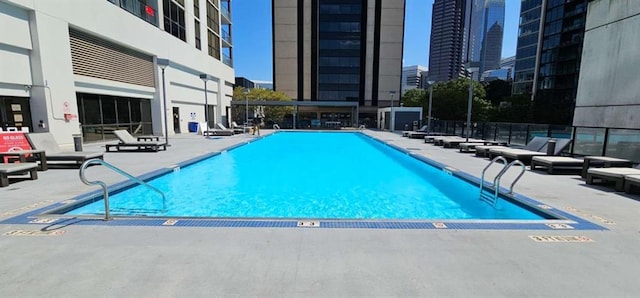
(13, 141)
(149, 10)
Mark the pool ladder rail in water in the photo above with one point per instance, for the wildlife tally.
(105, 191)
(492, 193)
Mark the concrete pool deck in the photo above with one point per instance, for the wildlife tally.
(165, 261)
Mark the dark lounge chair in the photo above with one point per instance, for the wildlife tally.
(53, 152)
(7, 169)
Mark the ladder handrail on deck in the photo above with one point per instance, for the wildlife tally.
(105, 192)
(496, 179)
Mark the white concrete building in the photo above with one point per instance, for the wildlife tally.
(91, 66)
(412, 77)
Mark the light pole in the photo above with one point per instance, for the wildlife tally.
(430, 103)
(393, 126)
(246, 107)
(470, 70)
(205, 78)
(163, 63)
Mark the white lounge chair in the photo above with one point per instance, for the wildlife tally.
(616, 175)
(130, 143)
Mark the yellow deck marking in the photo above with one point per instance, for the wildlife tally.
(537, 238)
(25, 208)
(439, 225)
(170, 222)
(34, 233)
(594, 217)
(309, 223)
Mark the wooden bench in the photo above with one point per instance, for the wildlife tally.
(7, 169)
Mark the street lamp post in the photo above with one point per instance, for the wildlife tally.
(470, 70)
(430, 104)
(392, 93)
(205, 78)
(246, 108)
(163, 63)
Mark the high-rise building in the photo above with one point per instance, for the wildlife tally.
(548, 55)
(448, 45)
(338, 51)
(90, 67)
(412, 77)
(492, 32)
(244, 83)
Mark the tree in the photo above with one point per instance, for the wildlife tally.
(497, 91)
(415, 98)
(450, 100)
(272, 114)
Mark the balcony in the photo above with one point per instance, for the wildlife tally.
(225, 11)
(226, 38)
(227, 60)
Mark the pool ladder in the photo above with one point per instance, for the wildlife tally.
(491, 199)
(105, 192)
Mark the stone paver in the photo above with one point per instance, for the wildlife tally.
(139, 261)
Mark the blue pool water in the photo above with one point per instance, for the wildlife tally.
(320, 175)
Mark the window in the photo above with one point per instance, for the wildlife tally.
(174, 19)
(213, 18)
(197, 34)
(196, 8)
(213, 45)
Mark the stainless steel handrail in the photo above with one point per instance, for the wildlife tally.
(105, 192)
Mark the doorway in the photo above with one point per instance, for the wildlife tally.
(176, 119)
(15, 113)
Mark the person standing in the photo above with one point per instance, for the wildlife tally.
(257, 121)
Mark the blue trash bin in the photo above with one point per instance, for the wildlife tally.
(193, 126)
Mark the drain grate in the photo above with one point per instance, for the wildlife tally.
(308, 224)
(561, 239)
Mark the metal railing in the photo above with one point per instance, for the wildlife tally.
(105, 191)
(491, 200)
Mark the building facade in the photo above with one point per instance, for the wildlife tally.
(492, 35)
(101, 66)
(244, 83)
(338, 51)
(412, 77)
(448, 44)
(548, 55)
(608, 99)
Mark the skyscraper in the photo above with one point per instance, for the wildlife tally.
(548, 55)
(492, 32)
(338, 51)
(447, 47)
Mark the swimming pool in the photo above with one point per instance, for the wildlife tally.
(319, 175)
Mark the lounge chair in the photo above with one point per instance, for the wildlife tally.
(221, 126)
(631, 180)
(616, 175)
(204, 130)
(46, 142)
(552, 163)
(534, 145)
(7, 169)
(424, 128)
(455, 142)
(130, 143)
(525, 156)
(240, 129)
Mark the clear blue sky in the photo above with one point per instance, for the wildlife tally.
(252, 49)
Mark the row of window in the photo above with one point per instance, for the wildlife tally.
(338, 95)
(340, 8)
(339, 26)
(336, 44)
(339, 61)
(174, 22)
(339, 79)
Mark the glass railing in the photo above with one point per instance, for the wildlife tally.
(226, 36)
(227, 60)
(226, 13)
